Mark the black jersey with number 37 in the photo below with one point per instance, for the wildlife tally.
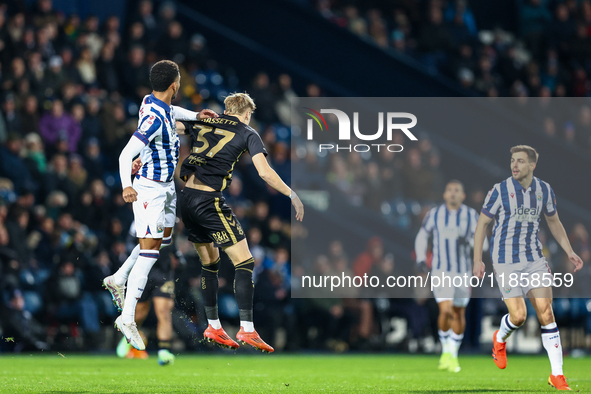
(216, 146)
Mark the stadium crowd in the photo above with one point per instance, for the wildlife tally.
(548, 56)
(70, 95)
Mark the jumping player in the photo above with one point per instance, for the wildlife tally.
(217, 144)
(452, 225)
(159, 291)
(153, 193)
(517, 205)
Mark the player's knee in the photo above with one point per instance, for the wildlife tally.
(518, 317)
(446, 311)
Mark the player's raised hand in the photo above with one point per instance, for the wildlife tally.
(478, 269)
(135, 167)
(299, 207)
(129, 194)
(206, 113)
(576, 260)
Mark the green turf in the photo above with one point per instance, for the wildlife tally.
(277, 373)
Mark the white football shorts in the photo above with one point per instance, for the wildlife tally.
(155, 208)
(516, 280)
(460, 295)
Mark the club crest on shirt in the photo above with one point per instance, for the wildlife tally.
(539, 196)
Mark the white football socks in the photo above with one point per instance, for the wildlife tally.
(455, 341)
(247, 326)
(215, 324)
(505, 330)
(123, 272)
(444, 339)
(551, 342)
(138, 277)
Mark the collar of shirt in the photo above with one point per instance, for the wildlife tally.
(518, 186)
(159, 103)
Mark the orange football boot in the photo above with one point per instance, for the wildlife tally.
(253, 339)
(558, 382)
(134, 353)
(499, 353)
(220, 338)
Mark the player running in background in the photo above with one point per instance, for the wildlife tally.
(153, 192)
(217, 144)
(517, 205)
(159, 291)
(452, 226)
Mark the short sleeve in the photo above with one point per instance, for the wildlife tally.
(492, 202)
(550, 202)
(254, 144)
(148, 128)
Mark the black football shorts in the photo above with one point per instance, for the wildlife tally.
(208, 218)
(160, 284)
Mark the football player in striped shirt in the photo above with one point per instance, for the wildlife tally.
(153, 192)
(452, 226)
(517, 205)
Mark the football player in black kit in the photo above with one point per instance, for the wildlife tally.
(216, 146)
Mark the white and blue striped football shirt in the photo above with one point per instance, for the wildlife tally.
(517, 213)
(453, 234)
(157, 129)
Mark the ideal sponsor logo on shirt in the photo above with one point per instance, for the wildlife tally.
(523, 214)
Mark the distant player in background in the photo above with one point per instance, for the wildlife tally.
(217, 144)
(153, 192)
(452, 226)
(159, 291)
(516, 205)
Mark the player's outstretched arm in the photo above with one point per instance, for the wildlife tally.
(479, 236)
(185, 114)
(126, 167)
(559, 233)
(269, 175)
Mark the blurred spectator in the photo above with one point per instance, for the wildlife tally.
(535, 19)
(434, 40)
(146, 17)
(106, 68)
(69, 301)
(86, 66)
(12, 165)
(372, 254)
(262, 95)
(58, 126)
(30, 115)
(134, 74)
(12, 118)
(173, 42)
(19, 324)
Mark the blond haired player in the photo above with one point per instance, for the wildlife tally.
(217, 144)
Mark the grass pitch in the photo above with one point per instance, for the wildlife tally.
(276, 373)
